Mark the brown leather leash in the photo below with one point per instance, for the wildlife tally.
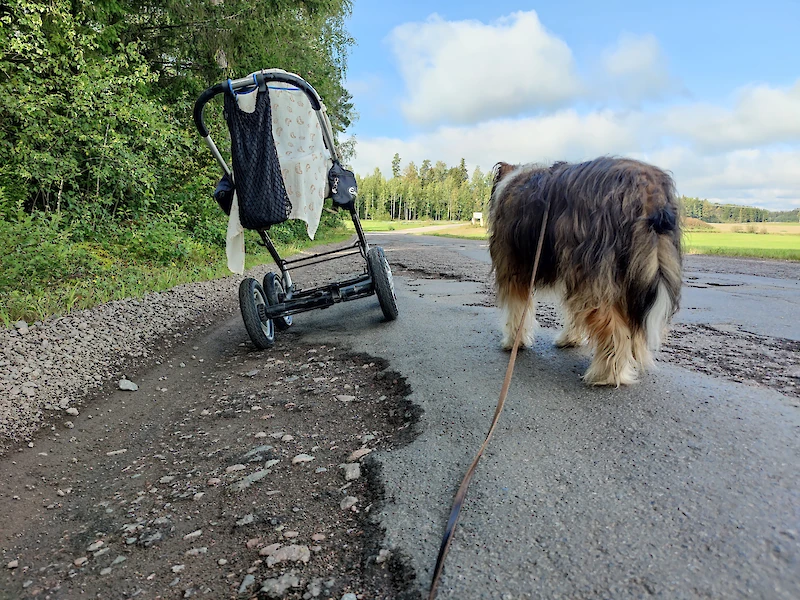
(458, 501)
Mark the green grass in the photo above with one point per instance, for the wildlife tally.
(466, 231)
(371, 225)
(782, 246)
(44, 271)
(755, 245)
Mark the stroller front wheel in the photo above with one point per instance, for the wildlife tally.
(253, 304)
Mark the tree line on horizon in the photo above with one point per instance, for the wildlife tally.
(713, 212)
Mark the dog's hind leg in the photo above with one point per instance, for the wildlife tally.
(572, 335)
(613, 362)
(512, 301)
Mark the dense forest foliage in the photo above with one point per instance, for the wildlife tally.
(429, 192)
(97, 96)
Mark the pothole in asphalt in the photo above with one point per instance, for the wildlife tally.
(259, 481)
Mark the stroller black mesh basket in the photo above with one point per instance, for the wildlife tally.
(259, 184)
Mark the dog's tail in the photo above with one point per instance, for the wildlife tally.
(654, 287)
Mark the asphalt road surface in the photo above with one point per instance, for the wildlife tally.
(683, 486)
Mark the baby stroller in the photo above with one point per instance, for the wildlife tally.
(284, 164)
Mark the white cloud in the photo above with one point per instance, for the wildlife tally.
(562, 135)
(468, 71)
(760, 115)
(635, 69)
(767, 178)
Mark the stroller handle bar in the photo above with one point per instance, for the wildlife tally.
(259, 80)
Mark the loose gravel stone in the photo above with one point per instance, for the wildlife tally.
(291, 553)
(13, 564)
(358, 454)
(251, 479)
(277, 588)
(348, 502)
(127, 385)
(352, 471)
(269, 550)
(302, 458)
(246, 520)
(256, 453)
(247, 583)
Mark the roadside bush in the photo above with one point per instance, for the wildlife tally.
(694, 223)
(41, 250)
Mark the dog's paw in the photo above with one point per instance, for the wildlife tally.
(525, 343)
(606, 374)
(567, 340)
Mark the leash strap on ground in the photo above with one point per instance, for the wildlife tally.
(458, 501)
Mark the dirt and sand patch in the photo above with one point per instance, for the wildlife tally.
(247, 474)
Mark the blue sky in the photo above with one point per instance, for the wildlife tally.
(708, 90)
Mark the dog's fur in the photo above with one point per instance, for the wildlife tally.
(612, 248)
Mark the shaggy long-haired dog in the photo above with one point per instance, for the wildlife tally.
(612, 249)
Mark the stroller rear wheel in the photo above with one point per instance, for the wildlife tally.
(381, 275)
(253, 304)
(273, 288)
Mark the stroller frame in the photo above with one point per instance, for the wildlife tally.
(265, 307)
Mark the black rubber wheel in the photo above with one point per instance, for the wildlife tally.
(273, 288)
(381, 275)
(253, 302)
